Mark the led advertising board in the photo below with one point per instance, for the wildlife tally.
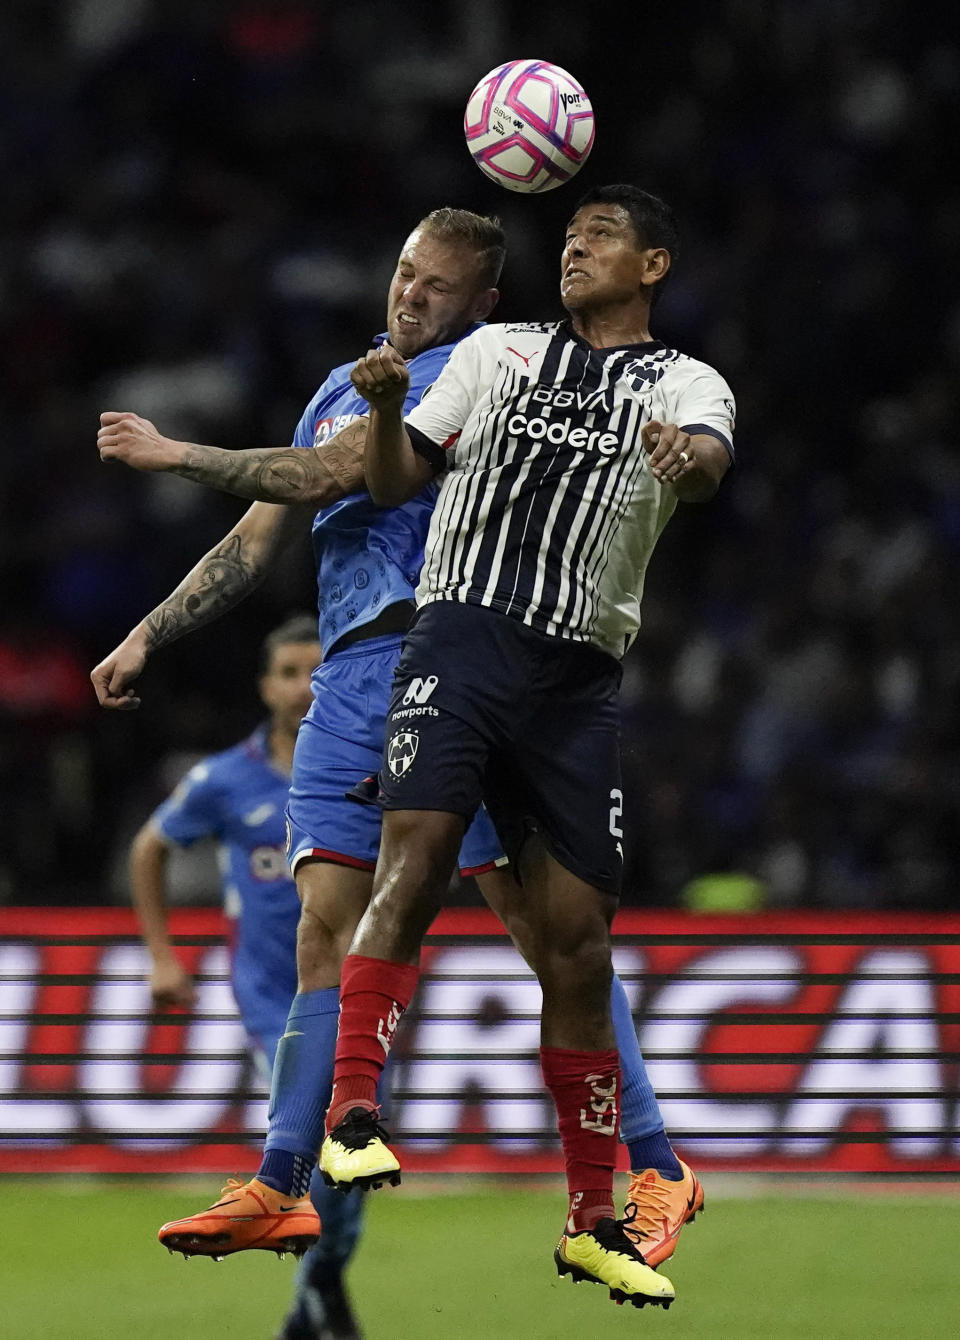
(775, 1042)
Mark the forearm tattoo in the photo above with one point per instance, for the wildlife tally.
(319, 475)
(219, 581)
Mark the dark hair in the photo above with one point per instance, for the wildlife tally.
(482, 232)
(298, 628)
(654, 222)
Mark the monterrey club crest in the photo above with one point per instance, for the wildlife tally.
(401, 751)
(643, 374)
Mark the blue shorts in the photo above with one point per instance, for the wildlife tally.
(486, 708)
(339, 743)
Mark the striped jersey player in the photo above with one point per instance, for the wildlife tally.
(563, 449)
(549, 509)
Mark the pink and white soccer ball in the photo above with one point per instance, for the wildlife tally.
(529, 125)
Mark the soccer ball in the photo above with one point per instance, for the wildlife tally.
(529, 125)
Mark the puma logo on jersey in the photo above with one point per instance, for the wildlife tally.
(511, 350)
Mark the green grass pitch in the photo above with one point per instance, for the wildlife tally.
(81, 1262)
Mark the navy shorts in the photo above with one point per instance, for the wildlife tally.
(340, 742)
(486, 709)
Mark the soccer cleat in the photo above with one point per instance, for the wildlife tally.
(605, 1255)
(247, 1215)
(355, 1153)
(656, 1210)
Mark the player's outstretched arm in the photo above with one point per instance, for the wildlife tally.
(394, 472)
(170, 983)
(222, 578)
(315, 475)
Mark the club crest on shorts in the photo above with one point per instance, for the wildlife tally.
(401, 751)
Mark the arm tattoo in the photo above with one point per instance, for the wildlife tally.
(342, 457)
(318, 475)
(219, 581)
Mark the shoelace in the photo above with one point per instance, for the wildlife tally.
(357, 1132)
(233, 1184)
(650, 1221)
(619, 1237)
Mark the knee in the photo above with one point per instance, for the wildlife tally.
(324, 932)
(525, 942)
(582, 958)
(316, 933)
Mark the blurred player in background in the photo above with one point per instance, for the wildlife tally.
(368, 561)
(238, 798)
(564, 449)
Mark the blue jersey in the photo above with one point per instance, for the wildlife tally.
(368, 557)
(238, 797)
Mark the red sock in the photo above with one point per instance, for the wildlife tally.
(373, 995)
(586, 1089)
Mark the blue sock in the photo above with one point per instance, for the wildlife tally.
(641, 1125)
(300, 1093)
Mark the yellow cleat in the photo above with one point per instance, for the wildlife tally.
(657, 1209)
(247, 1216)
(355, 1153)
(605, 1255)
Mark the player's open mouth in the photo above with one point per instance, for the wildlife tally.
(572, 274)
(407, 320)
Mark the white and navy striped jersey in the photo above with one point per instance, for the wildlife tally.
(548, 511)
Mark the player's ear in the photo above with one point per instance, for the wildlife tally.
(657, 263)
(485, 303)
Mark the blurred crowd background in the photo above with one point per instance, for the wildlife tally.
(201, 208)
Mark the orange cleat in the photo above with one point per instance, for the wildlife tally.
(248, 1215)
(656, 1210)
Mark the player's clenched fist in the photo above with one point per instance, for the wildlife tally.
(669, 449)
(135, 441)
(170, 984)
(114, 678)
(381, 377)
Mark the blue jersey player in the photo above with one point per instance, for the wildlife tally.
(368, 561)
(238, 798)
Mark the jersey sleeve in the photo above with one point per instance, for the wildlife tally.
(435, 424)
(704, 403)
(192, 811)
